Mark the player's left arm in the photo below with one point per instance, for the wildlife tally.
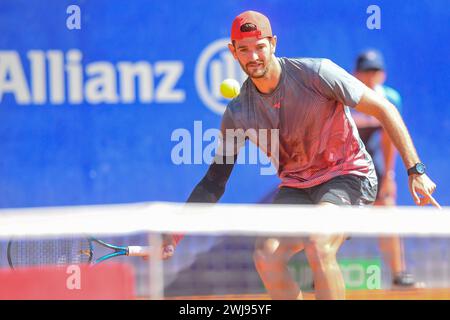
(388, 187)
(373, 104)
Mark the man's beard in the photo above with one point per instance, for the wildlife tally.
(256, 74)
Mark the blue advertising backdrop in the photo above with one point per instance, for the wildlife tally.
(93, 115)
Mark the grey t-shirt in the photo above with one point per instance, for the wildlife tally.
(304, 125)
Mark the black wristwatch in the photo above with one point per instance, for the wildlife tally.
(418, 168)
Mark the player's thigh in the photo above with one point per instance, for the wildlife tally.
(324, 244)
(286, 246)
(345, 190)
(293, 196)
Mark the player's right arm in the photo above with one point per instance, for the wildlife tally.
(209, 190)
(212, 186)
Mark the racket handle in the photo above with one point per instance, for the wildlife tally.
(138, 251)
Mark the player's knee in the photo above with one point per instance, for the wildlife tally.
(271, 252)
(320, 254)
(264, 262)
(259, 259)
(266, 259)
(268, 245)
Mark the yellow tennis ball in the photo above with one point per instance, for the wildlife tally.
(229, 88)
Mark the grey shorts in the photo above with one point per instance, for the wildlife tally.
(341, 190)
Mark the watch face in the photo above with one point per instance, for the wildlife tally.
(420, 167)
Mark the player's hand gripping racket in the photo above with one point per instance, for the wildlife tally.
(68, 251)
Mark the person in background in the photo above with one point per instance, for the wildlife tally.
(370, 70)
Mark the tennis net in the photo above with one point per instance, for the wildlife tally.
(215, 259)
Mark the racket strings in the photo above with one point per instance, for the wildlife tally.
(49, 252)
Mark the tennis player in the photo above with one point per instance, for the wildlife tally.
(321, 159)
(370, 70)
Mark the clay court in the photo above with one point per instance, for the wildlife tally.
(415, 294)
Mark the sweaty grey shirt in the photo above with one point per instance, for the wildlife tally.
(304, 125)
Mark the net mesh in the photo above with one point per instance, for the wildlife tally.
(216, 258)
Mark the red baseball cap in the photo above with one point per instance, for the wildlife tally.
(250, 24)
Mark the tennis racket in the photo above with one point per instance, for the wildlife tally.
(66, 251)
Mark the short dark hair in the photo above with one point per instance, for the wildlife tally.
(233, 42)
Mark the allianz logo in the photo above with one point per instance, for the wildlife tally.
(56, 77)
(214, 65)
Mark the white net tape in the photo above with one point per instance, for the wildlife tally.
(216, 256)
(223, 219)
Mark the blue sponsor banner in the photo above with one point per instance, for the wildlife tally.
(96, 98)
